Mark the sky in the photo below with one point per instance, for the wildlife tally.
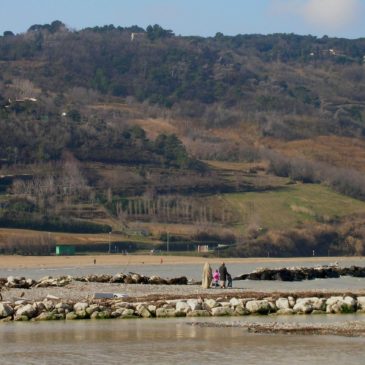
(338, 18)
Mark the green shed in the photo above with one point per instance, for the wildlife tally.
(65, 250)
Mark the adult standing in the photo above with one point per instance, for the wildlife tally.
(207, 276)
(223, 275)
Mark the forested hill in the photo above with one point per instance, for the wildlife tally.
(249, 139)
(318, 81)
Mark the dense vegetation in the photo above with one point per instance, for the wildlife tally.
(78, 143)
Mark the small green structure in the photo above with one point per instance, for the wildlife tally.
(65, 250)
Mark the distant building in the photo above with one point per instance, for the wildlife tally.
(203, 248)
(65, 250)
(137, 36)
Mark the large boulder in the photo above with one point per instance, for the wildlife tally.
(307, 305)
(234, 302)
(165, 312)
(5, 310)
(80, 306)
(183, 307)
(198, 313)
(27, 310)
(341, 305)
(195, 304)
(211, 303)
(143, 311)
(282, 303)
(361, 304)
(240, 310)
(118, 278)
(258, 307)
(285, 311)
(222, 311)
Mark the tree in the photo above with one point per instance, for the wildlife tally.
(156, 32)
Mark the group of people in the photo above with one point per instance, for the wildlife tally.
(220, 278)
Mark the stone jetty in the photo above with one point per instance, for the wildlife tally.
(57, 309)
(49, 281)
(303, 273)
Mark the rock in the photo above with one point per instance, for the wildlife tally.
(258, 307)
(178, 281)
(64, 306)
(152, 309)
(91, 309)
(118, 278)
(241, 310)
(341, 305)
(26, 310)
(361, 304)
(71, 316)
(211, 303)
(49, 305)
(5, 310)
(80, 306)
(291, 301)
(6, 319)
(282, 303)
(234, 302)
(165, 312)
(303, 306)
(307, 305)
(195, 304)
(81, 314)
(101, 315)
(50, 281)
(22, 318)
(20, 302)
(143, 311)
(222, 311)
(156, 280)
(198, 313)
(285, 311)
(45, 316)
(183, 307)
(128, 313)
(115, 314)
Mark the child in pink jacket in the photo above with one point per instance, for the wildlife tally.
(215, 283)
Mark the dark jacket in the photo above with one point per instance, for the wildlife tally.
(223, 273)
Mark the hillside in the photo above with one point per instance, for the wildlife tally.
(248, 140)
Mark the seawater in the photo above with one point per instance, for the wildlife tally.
(170, 341)
(194, 271)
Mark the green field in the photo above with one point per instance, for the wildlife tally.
(289, 206)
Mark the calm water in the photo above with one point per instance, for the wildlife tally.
(170, 341)
(173, 341)
(193, 271)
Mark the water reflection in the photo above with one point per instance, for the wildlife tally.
(168, 341)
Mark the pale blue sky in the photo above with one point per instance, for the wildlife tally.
(342, 18)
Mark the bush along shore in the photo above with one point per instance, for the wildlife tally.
(52, 308)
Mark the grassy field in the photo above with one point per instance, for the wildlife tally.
(290, 206)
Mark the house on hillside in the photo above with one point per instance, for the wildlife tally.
(137, 36)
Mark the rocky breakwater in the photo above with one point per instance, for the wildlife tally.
(303, 273)
(55, 309)
(49, 281)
